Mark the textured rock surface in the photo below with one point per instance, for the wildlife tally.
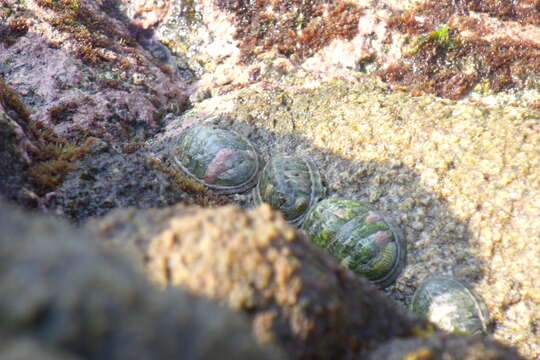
(13, 164)
(440, 47)
(462, 178)
(27, 349)
(80, 70)
(444, 347)
(111, 178)
(254, 261)
(65, 295)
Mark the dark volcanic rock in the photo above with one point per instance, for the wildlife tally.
(67, 295)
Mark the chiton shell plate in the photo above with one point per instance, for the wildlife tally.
(451, 305)
(364, 239)
(221, 159)
(290, 184)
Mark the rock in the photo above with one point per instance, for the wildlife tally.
(441, 48)
(461, 176)
(111, 178)
(468, 171)
(82, 72)
(294, 293)
(28, 349)
(444, 347)
(63, 292)
(13, 164)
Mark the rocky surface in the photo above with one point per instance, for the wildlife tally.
(439, 47)
(13, 163)
(443, 347)
(70, 74)
(461, 178)
(63, 295)
(96, 101)
(82, 72)
(27, 349)
(294, 294)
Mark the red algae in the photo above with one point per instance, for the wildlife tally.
(494, 41)
(293, 28)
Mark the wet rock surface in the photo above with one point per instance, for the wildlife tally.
(111, 177)
(65, 297)
(461, 178)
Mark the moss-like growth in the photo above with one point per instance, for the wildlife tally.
(14, 28)
(442, 39)
(62, 111)
(58, 159)
(440, 63)
(90, 30)
(12, 103)
(200, 194)
(294, 28)
(53, 156)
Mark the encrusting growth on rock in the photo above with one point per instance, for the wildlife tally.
(52, 155)
(293, 28)
(295, 294)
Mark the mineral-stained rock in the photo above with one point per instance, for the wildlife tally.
(64, 293)
(254, 261)
(444, 347)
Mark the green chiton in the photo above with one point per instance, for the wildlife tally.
(448, 303)
(365, 240)
(290, 184)
(221, 159)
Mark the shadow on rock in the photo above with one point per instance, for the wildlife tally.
(295, 294)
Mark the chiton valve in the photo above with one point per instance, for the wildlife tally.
(290, 184)
(448, 303)
(221, 159)
(365, 240)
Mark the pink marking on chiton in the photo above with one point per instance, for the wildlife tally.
(373, 217)
(218, 165)
(340, 213)
(382, 238)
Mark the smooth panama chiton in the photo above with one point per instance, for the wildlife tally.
(450, 304)
(220, 159)
(290, 184)
(365, 240)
